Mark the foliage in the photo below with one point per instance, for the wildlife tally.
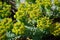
(0, 5)
(31, 1)
(37, 15)
(32, 20)
(51, 7)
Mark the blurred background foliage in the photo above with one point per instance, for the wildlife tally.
(29, 19)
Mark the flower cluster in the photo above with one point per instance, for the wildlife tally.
(31, 11)
(44, 23)
(5, 10)
(44, 2)
(5, 25)
(56, 30)
(28, 13)
(18, 28)
(56, 2)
